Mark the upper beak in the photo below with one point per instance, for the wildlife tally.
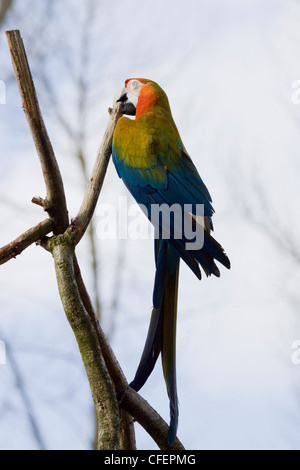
(127, 107)
(123, 96)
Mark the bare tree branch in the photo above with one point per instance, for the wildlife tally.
(25, 398)
(149, 419)
(5, 6)
(107, 408)
(62, 248)
(130, 401)
(55, 202)
(117, 287)
(127, 435)
(112, 363)
(88, 205)
(14, 248)
(104, 373)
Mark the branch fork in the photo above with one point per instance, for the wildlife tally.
(106, 378)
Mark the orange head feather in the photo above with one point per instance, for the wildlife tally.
(149, 94)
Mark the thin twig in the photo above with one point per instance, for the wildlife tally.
(39, 201)
(90, 200)
(55, 202)
(14, 248)
(4, 8)
(117, 288)
(28, 408)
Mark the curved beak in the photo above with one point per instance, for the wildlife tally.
(128, 107)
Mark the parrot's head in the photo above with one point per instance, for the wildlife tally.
(139, 95)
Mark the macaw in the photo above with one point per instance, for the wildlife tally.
(152, 161)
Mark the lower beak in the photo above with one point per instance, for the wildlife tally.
(127, 107)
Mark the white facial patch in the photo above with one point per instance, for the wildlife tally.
(133, 90)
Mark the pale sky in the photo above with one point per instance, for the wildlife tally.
(228, 69)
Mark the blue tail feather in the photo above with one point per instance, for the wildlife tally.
(161, 337)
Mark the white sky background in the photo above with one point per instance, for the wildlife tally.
(228, 69)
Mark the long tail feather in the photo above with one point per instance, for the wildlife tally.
(153, 342)
(161, 335)
(169, 340)
(151, 350)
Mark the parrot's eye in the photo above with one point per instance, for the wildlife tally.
(134, 86)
